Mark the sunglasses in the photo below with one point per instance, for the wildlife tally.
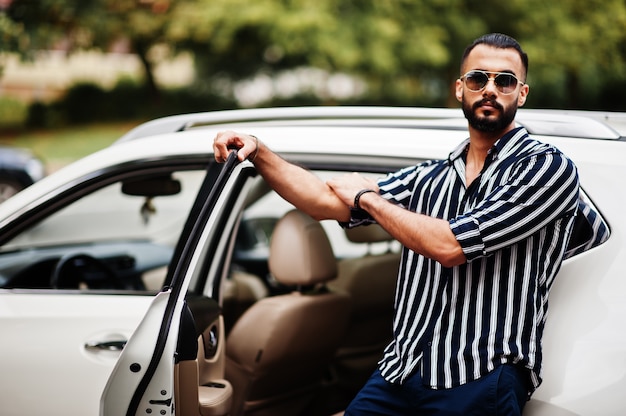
(476, 80)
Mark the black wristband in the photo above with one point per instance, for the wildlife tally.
(358, 196)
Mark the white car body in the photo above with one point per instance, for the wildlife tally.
(50, 365)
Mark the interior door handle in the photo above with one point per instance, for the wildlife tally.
(106, 345)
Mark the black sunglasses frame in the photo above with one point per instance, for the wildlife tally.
(501, 85)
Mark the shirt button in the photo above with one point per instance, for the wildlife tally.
(430, 344)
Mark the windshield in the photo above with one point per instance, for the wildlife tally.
(120, 236)
(108, 214)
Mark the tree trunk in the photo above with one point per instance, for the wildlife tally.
(141, 49)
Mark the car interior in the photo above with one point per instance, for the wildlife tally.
(277, 351)
(118, 237)
(309, 348)
(299, 331)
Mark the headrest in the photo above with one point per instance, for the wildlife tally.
(372, 233)
(300, 252)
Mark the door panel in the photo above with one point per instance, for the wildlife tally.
(44, 348)
(200, 387)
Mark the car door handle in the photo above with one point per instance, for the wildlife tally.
(106, 345)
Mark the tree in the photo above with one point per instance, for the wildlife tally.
(91, 24)
(401, 48)
(576, 47)
(406, 51)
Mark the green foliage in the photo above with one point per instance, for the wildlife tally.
(87, 103)
(407, 51)
(13, 113)
(576, 48)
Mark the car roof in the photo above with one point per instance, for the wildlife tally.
(561, 123)
(321, 137)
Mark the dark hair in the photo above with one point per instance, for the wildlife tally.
(497, 40)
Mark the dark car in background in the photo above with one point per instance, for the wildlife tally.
(19, 168)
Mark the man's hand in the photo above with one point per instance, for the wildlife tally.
(347, 186)
(226, 141)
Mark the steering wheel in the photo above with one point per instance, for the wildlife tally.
(74, 269)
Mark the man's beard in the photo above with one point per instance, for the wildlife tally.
(507, 115)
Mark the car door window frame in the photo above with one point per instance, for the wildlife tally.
(192, 254)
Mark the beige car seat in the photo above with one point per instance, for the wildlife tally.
(277, 353)
(240, 291)
(370, 280)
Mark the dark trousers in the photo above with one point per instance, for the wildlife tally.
(501, 392)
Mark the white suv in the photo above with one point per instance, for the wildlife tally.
(149, 259)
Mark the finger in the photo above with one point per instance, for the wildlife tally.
(246, 146)
(224, 143)
(220, 146)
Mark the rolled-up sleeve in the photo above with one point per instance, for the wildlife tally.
(467, 232)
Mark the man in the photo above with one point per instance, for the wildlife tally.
(484, 233)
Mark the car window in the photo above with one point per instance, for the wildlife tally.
(590, 228)
(120, 236)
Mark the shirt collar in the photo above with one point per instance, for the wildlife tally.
(499, 146)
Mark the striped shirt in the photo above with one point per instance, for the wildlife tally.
(513, 224)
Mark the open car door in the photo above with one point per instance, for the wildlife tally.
(145, 378)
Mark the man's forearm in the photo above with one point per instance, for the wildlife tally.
(431, 237)
(299, 186)
(294, 183)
